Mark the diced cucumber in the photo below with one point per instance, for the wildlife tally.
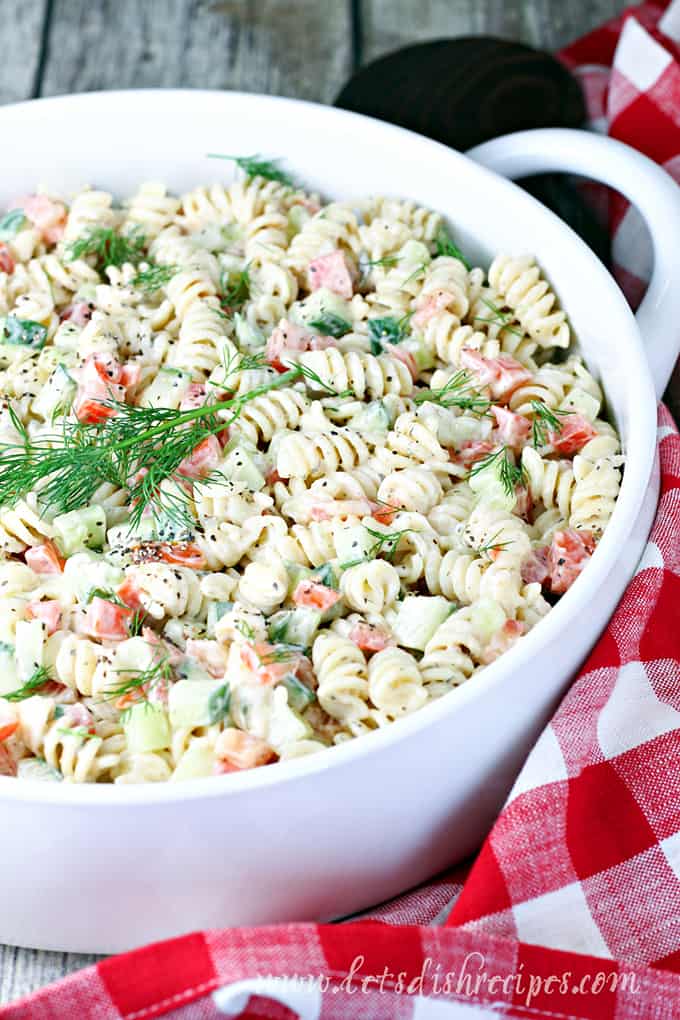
(374, 417)
(285, 724)
(417, 619)
(179, 631)
(9, 679)
(86, 571)
(197, 761)
(488, 617)
(189, 702)
(81, 529)
(239, 466)
(248, 336)
(294, 626)
(37, 769)
(167, 389)
(352, 543)
(146, 728)
(490, 490)
(31, 636)
(300, 696)
(454, 431)
(581, 402)
(57, 395)
(216, 611)
(320, 301)
(66, 338)
(417, 348)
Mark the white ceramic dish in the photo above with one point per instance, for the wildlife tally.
(105, 868)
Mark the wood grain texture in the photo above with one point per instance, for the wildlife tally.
(21, 31)
(22, 971)
(548, 24)
(292, 47)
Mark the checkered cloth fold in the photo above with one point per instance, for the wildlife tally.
(572, 907)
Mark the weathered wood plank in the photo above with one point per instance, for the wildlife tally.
(297, 48)
(23, 971)
(20, 44)
(550, 24)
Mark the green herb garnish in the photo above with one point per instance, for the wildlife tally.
(457, 392)
(312, 376)
(11, 223)
(255, 166)
(492, 544)
(218, 704)
(387, 330)
(142, 682)
(445, 246)
(108, 247)
(245, 629)
(76, 731)
(236, 289)
(510, 474)
(498, 318)
(545, 420)
(154, 277)
(331, 324)
(23, 332)
(385, 545)
(40, 677)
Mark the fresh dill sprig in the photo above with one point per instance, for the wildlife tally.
(236, 289)
(385, 544)
(108, 247)
(499, 318)
(138, 449)
(141, 683)
(445, 246)
(457, 392)
(387, 261)
(76, 731)
(219, 704)
(312, 376)
(154, 277)
(510, 474)
(38, 679)
(245, 629)
(279, 653)
(418, 271)
(387, 329)
(492, 545)
(545, 421)
(256, 166)
(331, 324)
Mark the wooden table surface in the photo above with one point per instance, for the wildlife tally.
(303, 48)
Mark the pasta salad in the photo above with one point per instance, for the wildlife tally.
(274, 473)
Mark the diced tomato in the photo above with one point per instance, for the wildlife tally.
(333, 272)
(6, 260)
(569, 553)
(236, 750)
(194, 397)
(262, 660)
(79, 313)
(368, 638)
(513, 429)
(49, 611)
(430, 305)
(169, 651)
(184, 554)
(524, 504)
(107, 620)
(7, 729)
(272, 477)
(536, 568)
(49, 217)
(129, 594)
(504, 638)
(8, 764)
(203, 460)
(315, 595)
(91, 411)
(470, 451)
(383, 513)
(502, 374)
(574, 432)
(45, 558)
(101, 381)
(78, 715)
(209, 653)
(285, 340)
(130, 374)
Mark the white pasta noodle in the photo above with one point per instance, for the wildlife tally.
(308, 472)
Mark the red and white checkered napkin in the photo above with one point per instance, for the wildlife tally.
(572, 908)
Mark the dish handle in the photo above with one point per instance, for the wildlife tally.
(645, 184)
